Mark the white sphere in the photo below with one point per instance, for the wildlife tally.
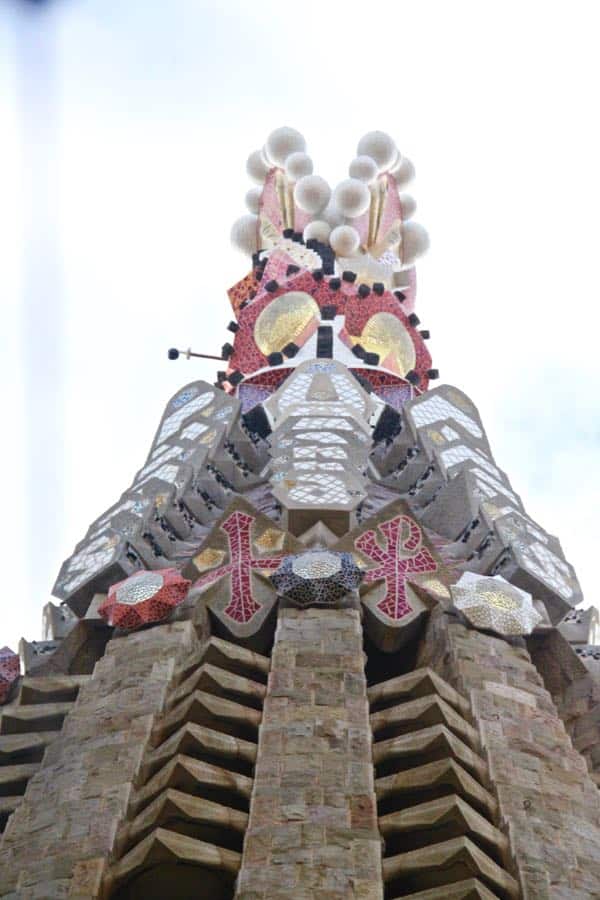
(404, 173)
(352, 197)
(297, 165)
(408, 205)
(312, 194)
(318, 230)
(344, 240)
(380, 147)
(282, 142)
(256, 167)
(244, 234)
(364, 168)
(332, 215)
(415, 242)
(252, 199)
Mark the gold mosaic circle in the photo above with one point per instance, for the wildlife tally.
(284, 320)
(385, 335)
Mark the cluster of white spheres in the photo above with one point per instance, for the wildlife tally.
(376, 153)
(282, 143)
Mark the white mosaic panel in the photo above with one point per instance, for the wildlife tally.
(436, 408)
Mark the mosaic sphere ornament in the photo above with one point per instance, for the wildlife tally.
(493, 604)
(311, 194)
(408, 205)
(317, 230)
(403, 172)
(9, 671)
(256, 167)
(380, 147)
(415, 242)
(144, 597)
(297, 165)
(244, 236)
(364, 168)
(316, 577)
(344, 240)
(282, 142)
(352, 197)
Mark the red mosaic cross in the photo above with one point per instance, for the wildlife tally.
(242, 606)
(403, 555)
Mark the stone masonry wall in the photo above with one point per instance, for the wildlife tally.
(549, 806)
(313, 822)
(57, 841)
(575, 691)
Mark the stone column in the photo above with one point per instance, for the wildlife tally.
(313, 820)
(58, 841)
(548, 804)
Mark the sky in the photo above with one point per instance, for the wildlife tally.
(124, 130)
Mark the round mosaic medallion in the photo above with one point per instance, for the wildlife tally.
(139, 587)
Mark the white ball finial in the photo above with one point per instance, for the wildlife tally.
(317, 230)
(282, 142)
(364, 168)
(344, 240)
(408, 206)
(297, 165)
(312, 194)
(256, 167)
(332, 215)
(352, 197)
(244, 234)
(380, 147)
(415, 242)
(252, 199)
(404, 173)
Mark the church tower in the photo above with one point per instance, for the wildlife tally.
(318, 648)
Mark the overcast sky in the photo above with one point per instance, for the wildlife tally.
(124, 130)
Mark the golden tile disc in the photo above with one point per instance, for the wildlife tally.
(385, 335)
(284, 320)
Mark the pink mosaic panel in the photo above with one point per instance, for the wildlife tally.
(242, 606)
(403, 555)
(270, 208)
(392, 211)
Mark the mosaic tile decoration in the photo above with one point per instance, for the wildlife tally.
(242, 605)
(144, 598)
(231, 569)
(9, 672)
(396, 549)
(492, 604)
(317, 577)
